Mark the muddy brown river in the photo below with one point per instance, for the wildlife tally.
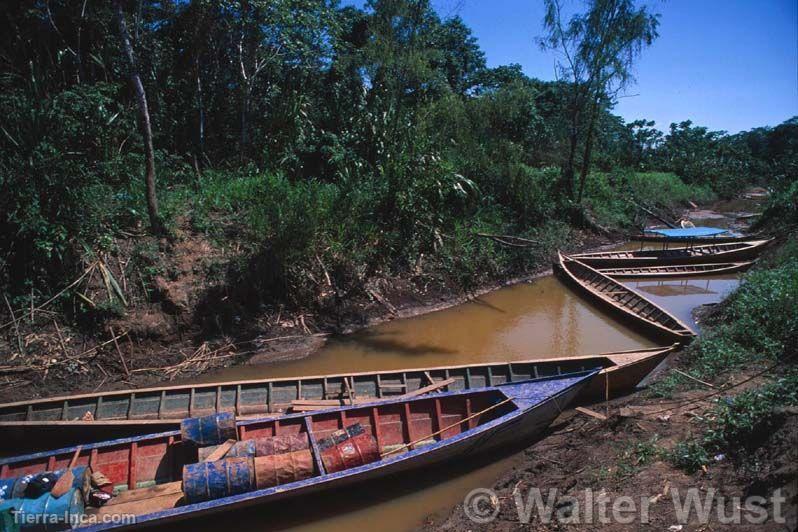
(539, 319)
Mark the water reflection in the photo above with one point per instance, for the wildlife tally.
(681, 296)
(526, 321)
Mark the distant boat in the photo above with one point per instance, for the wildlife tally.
(59, 421)
(623, 301)
(691, 235)
(686, 270)
(714, 253)
(407, 434)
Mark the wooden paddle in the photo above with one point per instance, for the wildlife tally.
(63, 484)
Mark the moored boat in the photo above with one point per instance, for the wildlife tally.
(93, 417)
(623, 301)
(155, 481)
(714, 253)
(691, 235)
(679, 270)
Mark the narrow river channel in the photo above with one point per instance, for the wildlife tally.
(539, 319)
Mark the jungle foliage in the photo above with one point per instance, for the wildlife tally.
(755, 328)
(310, 132)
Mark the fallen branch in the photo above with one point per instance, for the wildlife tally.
(693, 378)
(377, 296)
(652, 213)
(198, 361)
(510, 240)
(591, 413)
(13, 369)
(86, 352)
(118, 350)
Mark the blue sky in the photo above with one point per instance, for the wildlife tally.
(725, 64)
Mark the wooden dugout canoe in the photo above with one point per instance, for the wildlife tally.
(719, 239)
(26, 425)
(684, 270)
(714, 253)
(623, 301)
(409, 434)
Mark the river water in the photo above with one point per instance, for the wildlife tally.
(538, 319)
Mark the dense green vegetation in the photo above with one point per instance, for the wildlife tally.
(311, 133)
(758, 323)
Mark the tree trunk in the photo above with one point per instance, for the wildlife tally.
(244, 112)
(144, 120)
(200, 114)
(588, 151)
(569, 168)
(567, 179)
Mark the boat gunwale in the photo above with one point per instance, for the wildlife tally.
(685, 335)
(702, 269)
(188, 387)
(727, 237)
(298, 415)
(617, 366)
(326, 478)
(629, 255)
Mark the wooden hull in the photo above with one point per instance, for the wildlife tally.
(697, 240)
(623, 302)
(621, 379)
(717, 253)
(520, 411)
(686, 270)
(30, 425)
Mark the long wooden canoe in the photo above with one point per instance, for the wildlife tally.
(719, 239)
(623, 301)
(408, 434)
(682, 270)
(27, 424)
(715, 253)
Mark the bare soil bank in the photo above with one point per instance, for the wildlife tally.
(182, 321)
(624, 455)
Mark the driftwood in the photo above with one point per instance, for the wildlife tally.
(198, 361)
(591, 413)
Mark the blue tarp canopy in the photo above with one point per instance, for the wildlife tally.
(688, 232)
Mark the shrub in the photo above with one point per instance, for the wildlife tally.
(61, 170)
(738, 425)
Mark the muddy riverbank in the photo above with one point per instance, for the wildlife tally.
(167, 335)
(584, 460)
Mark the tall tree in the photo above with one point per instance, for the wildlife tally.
(156, 226)
(599, 48)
